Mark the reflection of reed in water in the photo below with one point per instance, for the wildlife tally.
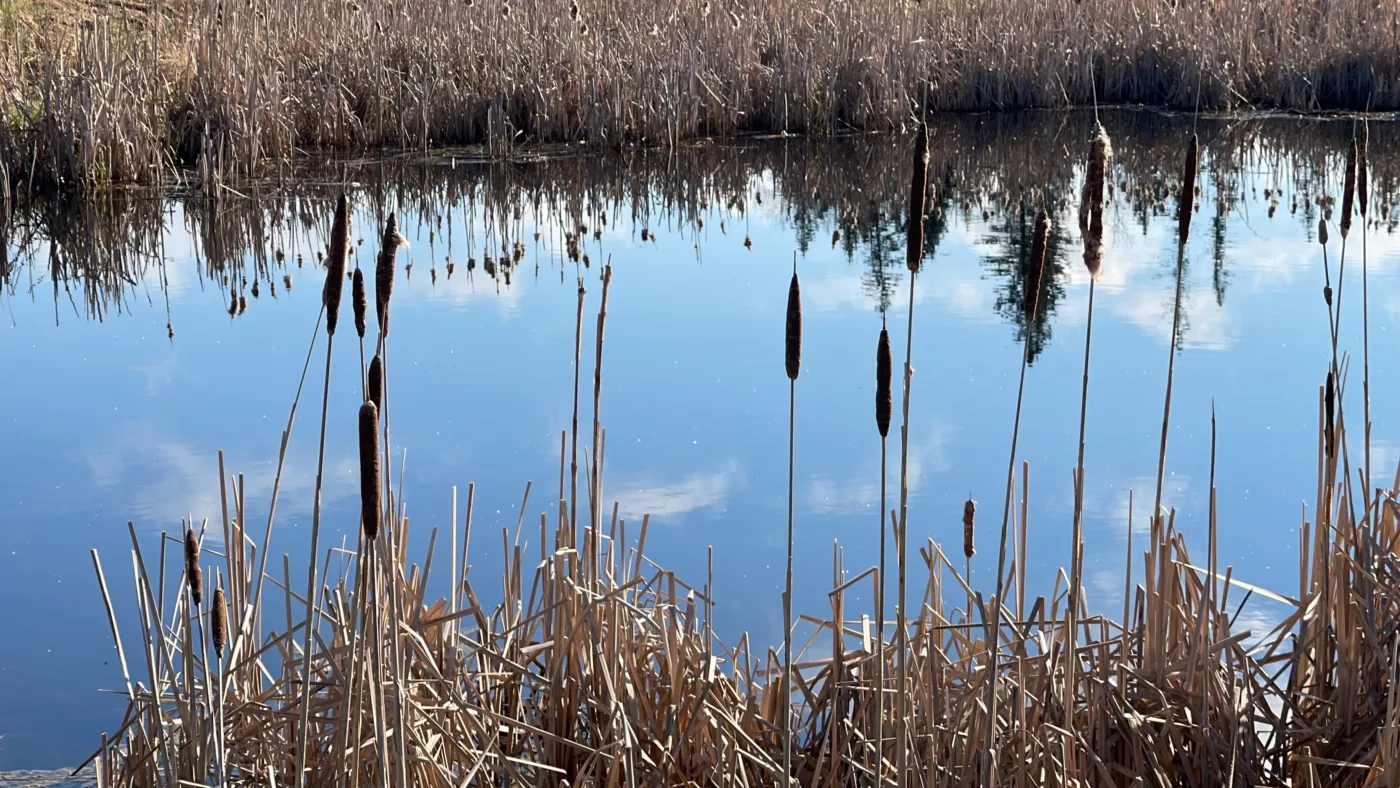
(559, 214)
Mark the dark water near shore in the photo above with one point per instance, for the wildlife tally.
(128, 369)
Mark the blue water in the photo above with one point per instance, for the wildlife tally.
(112, 420)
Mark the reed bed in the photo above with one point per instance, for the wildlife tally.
(98, 93)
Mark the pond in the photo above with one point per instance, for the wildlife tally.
(146, 333)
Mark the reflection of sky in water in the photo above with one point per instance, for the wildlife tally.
(110, 421)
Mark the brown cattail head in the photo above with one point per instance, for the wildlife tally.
(1187, 197)
(1035, 264)
(918, 197)
(969, 515)
(357, 298)
(1322, 231)
(1363, 178)
(1349, 190)
(1091, 203)
(389, 244)
(194, 576)
(375, 382)
(1329, 400)
(792, 355)
(218, 621)
(335, 264)
(884, 367)
(369, 469)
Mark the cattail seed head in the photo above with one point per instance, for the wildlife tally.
(357, 299)
(194, 576)
(1363, 178)
(1189, 171)
(375, 382)
(918, 196)
(884, 367)
(218, 621)
(1330, 403)
(369, 469)
(1349, 190)
(1322, 231)
(969, 516)
(792, 355)
(389, 244)
(335, 264)
(1091, 202)
(1035, 264)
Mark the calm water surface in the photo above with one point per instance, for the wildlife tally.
(111, 418)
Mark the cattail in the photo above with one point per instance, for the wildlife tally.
(793, 351)
(918, 194)
(369, 469)
(835, 238)
(1330, 401)
(376, 383)
(389, 244)
(1035, 264)
(193, 574)
(218, 622)
(969, 515)
(335, 265)
(357, 298)
(1188, 190)
(1091, 202)
(1349, 190)
(883, 369)
(1322, 231)
(1363, 179)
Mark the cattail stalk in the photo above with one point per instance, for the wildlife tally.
(884, 368)
(1362, 184)
(792, 361)
(335, 280)
(914, 253)
(1184, 225)
(1035, 264)
(969, 548)
(1093, 199)
(218, 628)
(360, 304)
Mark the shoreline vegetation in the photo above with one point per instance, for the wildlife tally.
(599, 668)
(155, 91)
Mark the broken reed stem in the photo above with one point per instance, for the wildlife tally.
(792, 361)
(913, 259)
(1035, 266)
(335, 280)
(884, 405)
(1184, 202)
